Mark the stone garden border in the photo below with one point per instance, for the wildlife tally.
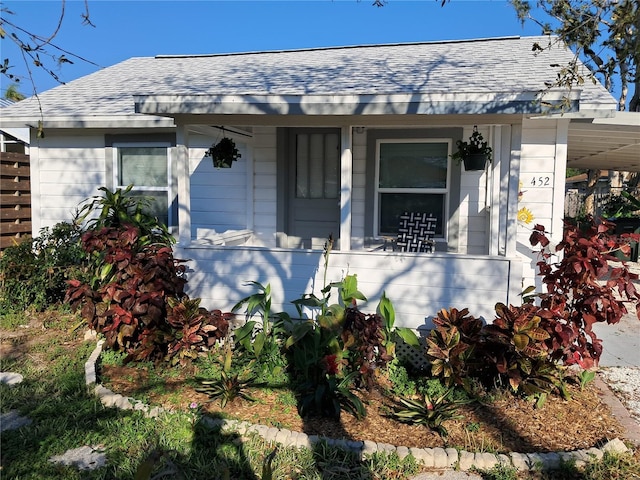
(436, 458)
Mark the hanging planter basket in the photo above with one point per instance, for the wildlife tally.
(475, 153)
(223, 153)
(475, 161)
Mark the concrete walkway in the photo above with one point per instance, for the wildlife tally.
(620, 342)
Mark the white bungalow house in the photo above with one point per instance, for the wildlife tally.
(333, 141)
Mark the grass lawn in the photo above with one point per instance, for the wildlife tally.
(50, 354)
(65, 416)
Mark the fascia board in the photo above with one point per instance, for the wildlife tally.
(588, 112)
(112, 121)
(21, 134)
(381, 104)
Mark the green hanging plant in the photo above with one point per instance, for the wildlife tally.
(475, 153)
(223, 153)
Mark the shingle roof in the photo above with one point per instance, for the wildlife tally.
(486, 66)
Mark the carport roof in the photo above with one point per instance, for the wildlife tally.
(605, 143)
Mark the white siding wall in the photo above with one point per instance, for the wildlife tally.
(218, 195)
(473, 207)
(542, 169)
(64, 172)
(418, 285)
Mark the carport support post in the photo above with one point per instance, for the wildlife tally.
(346, 187)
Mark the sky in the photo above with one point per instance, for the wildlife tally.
(125, 29)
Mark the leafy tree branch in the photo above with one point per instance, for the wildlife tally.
(38, 51)
(603, 33)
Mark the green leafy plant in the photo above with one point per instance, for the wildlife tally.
(431, 412)
(228, 387)
(264, 337)
(223, 153)
(329, 395)
(120, 208)
(339, 349)
(261, 341)
(135, 293)
(347, 290)
(317, 361)
(390, 333)
(231, 382)
(341, 343)
(476, 146)
(402, 384)
(585, 377)
(195, 329)
(514, 345)
(34, 273)
(451, 344)
(259, 302)
(625, 205)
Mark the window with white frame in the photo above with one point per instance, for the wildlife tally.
(147, 168)
(411, 176)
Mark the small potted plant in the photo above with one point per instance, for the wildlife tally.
(223, 153)
(475, 153)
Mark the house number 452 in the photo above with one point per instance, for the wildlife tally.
(540, 181)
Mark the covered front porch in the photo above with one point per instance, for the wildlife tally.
(475, 264)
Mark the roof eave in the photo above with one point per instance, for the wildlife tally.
(110, 121)
(350, 104)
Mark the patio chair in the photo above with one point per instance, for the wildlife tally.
(416, 232)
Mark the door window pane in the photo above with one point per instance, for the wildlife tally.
(302, 166)
(317, 165)
(332, 166)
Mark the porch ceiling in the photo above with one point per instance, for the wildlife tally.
(606, 143)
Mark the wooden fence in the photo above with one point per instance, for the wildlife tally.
(15, 198)
(574, 200)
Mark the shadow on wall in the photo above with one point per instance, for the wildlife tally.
(419, 285)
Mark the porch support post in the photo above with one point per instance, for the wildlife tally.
(346, 187)
(493, 189)
(560, 172)
(513, 189)
(184, 185)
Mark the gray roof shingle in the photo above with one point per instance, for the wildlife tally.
(501, 65)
